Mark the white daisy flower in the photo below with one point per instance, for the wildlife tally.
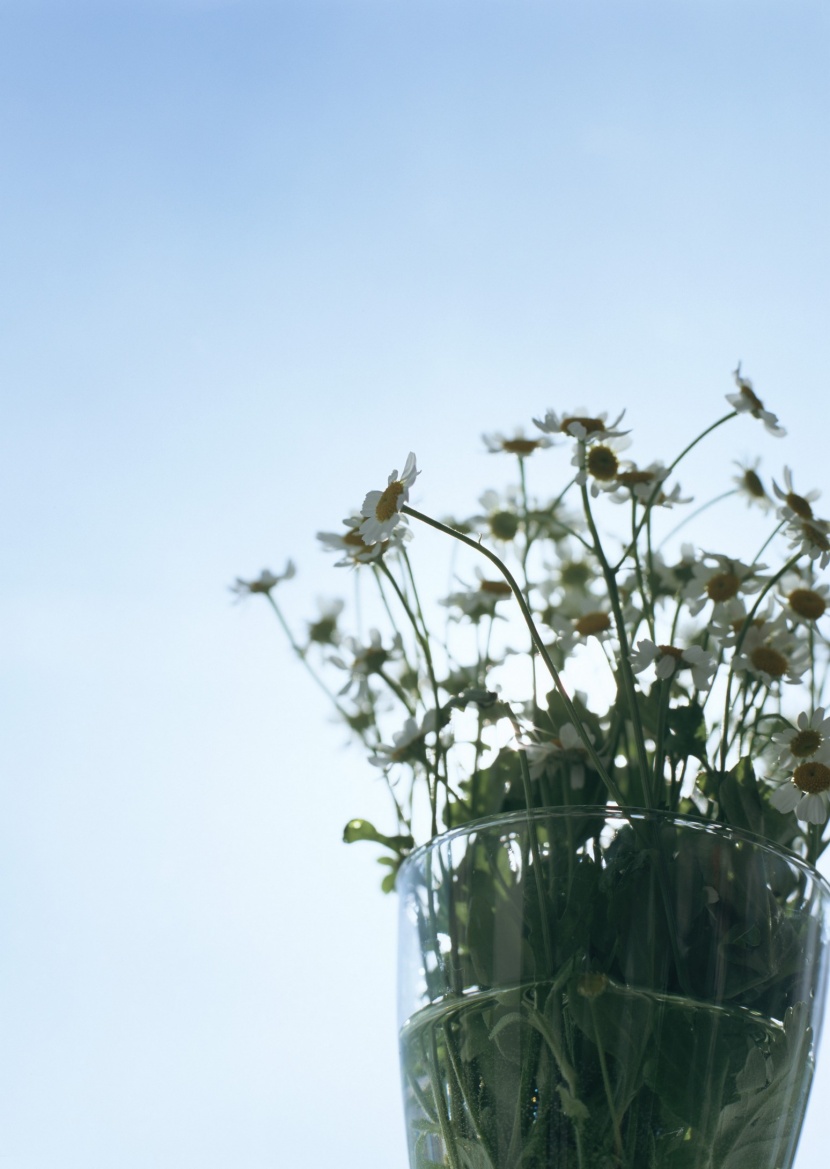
(354, 548)
(566, 748)
(481, 602)
(746, 401)
(517, 445)
(381, 510)
(264, 583)
(408, 744)
(771, 653)
(796, 507)
(809, 740)
(812, 537)
(598, 461)
(803, 601)
(581, 425)
(807, 793)
(667, 659)
(750, 485)
(719, 581)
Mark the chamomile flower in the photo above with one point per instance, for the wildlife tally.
(771, 653)
(324, 630)
(408, 744)
(668, 659)
(476, 604)
(381, 510)
(796, 507)
(807, 793)
(354, 548)
(803, 601)
(581, 425)
(750, 484)
(566, 749)
(501, 520)
(265, 582)
(720, 580)
(599, 462)
(808, 740)
(812, 538)
(746, 401)
(518, 444)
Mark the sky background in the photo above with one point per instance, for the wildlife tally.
(251, 256)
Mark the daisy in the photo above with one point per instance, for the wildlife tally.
(746, 401)
(264, 583)
(807, 741)
(517, 445)
(667, 659)
(749, 485)
(381, 510)
(408, 744)
(324, 630)
(481, 602)
(501, 519)
(771, 653)
(599, 461)
(566, 748)
(721, 580)
(812, 537)
(807, 794)
(354, 548)
(580, 425)
(803, 602)
(796, 507)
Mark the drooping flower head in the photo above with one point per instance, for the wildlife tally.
(746, 401)
(381, 510)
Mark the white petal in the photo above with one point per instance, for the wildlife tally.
(785, 798)
(812, 809)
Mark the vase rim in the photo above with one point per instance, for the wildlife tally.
(613, 812)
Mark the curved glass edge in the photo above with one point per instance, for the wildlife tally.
(610, 812)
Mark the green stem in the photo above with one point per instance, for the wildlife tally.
(537, 641)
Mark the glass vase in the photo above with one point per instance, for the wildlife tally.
(587, 988)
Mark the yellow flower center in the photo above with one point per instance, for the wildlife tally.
(807, 603)
(635, 478)
(816, 536)
(504, 524)
(591, 425)
(354, 539)
(671, 651)
(495, 588)
(575, 574)
(805, 743)
(387, 505)
(812, 777)
(799, 505)
(769, 660)
(723, 586)
(592, 623)
(753, 485)
(602, 463)
(753, 399)
(520, 446)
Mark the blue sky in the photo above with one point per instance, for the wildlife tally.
(253, 254)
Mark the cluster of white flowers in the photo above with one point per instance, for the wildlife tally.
(681, 637)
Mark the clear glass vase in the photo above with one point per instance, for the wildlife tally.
(584, 988)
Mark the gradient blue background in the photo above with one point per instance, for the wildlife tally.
(251, 255)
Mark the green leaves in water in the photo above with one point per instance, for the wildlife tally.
(591, 1075)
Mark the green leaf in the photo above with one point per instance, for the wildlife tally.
(758, 1127)
(364, 830)
(687, 728)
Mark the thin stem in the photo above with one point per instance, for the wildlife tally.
(537, 641)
